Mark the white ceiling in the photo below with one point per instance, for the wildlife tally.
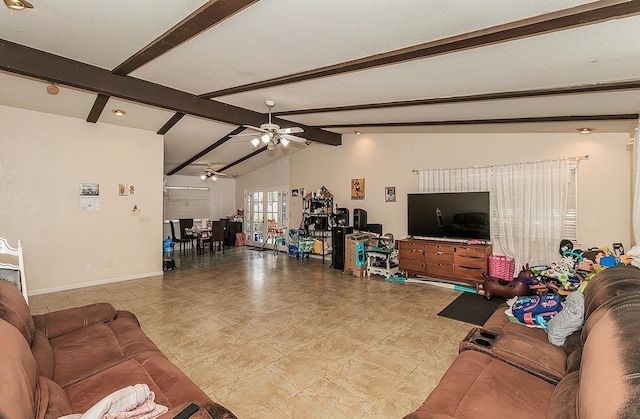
(270, 39)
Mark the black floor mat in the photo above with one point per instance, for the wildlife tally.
(471, 308)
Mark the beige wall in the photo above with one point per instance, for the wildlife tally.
(604, 206)
(43, 160)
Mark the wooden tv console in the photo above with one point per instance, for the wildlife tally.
(450, 261)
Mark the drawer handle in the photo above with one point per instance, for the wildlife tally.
(439, 253)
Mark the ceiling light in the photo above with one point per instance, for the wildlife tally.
(203, 177)
(284, 142)
(585, 130)
(18, 4)
(52, 89)
(214, 178)
(265, 138)
(357, 132)
(118, 112)
(271, 146)
(255, 142)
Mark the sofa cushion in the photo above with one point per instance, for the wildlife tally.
(170, 385)
(18, 374)
(479, 386)
(499, 322)
(89, 350)
(43, 353)
(14, 310)
(52, 401)
(564, 398)
(61, 322)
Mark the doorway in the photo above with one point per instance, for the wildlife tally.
(262, 205)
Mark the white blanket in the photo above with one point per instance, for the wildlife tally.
(128, 403)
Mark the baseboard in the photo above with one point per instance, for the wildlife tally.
(93, 283)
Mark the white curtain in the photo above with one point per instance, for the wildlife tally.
(528, 201)
(531, 203)
(636, 187)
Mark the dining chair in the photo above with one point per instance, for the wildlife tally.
(217, 235)
(13, 272)
(187, 223)
(177, 239)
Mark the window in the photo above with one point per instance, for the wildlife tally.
(186, 202)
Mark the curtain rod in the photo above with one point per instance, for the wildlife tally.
(577, 159)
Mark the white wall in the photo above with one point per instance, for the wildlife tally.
(43, 160)
(604, 206)
(275, 174)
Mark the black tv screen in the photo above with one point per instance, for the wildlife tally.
(453, 215)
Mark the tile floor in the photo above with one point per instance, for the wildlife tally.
(277, 337)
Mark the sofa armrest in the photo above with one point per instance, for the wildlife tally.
(58, 323)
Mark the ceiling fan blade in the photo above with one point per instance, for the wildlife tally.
(255, 128)
(292, 130)
(245, 135)
(219, 174)
(294, 138)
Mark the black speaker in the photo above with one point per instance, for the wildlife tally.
(338, 235)
(342, 217)
(359, 219)
(374, 228)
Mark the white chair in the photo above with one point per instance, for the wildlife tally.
(13, 273)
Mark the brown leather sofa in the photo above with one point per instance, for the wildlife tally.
(66, 361)
(506, 370)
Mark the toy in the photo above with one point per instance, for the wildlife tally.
(501, 288)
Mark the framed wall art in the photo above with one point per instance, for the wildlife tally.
(390, 194)
(357, 188)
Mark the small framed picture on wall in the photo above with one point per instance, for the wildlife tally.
(390, 194)
(357, 188)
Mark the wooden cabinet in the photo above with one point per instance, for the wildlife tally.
(451, 261)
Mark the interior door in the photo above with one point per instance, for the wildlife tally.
(263, 205)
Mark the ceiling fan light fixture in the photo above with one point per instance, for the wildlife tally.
(265, 138)
(284, 142)
(585, 130)
(255, 142)
(203, 177)
(271, 146)
(18, 4)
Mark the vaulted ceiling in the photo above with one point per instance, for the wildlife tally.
(199, 71)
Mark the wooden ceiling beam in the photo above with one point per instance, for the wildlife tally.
(210, 14)
(205, 151)
(582, 15)
(19, 59)
(97, 108)
(517, 94)
(562, 118)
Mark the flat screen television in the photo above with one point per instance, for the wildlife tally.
(452, 215)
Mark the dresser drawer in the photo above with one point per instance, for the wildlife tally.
(439, 248)
(439, 269)
(416, 265)
(470, 261)
(466, 272)
(471, 251)
(410, 246)
(439, 257)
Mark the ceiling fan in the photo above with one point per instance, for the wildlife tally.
(209, 173)
(272, 134)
